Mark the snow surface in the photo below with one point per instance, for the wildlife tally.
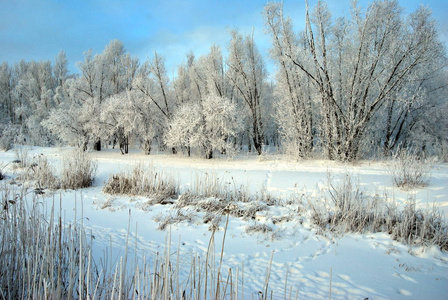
(357, 266)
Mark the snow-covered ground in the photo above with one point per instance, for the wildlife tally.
(352, 266)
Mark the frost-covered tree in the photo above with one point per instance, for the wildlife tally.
(68, 121)
(128, 115)
(186, 128)
(294, 105)
(103, 75)
(7, 114)
(356, 65)
(154, 85)
(33, 93)
(206, 126)
(247, 74)
(60, 69)
(182, 83)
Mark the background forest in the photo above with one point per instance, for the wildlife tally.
(361, 86)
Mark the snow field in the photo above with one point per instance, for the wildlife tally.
(354, 265)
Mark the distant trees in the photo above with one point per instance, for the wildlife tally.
(358, 86)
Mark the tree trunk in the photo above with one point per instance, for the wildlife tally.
(97, 145)
(147, 147)
(209, 153)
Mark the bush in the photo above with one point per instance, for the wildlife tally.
(409, 170)
(78, 170)
(142, 182)
(258, 228)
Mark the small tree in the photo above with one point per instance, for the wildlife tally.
(126, 115)
(208, 126)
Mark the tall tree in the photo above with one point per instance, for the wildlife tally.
(153, 83)
(103, 76)
(247, 74)
(294, 110)
(357, 64)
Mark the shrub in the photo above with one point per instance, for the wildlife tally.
(419, 227)
(409, 170)
(142, 182)
(78, 170)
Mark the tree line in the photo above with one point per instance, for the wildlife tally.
(345, 88)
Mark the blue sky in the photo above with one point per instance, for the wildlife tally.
(32, 29)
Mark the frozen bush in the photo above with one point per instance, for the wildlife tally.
(409, 170)
(210, 186)
(417, 226)
(78, 170)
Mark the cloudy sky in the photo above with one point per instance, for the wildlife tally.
(39, 29)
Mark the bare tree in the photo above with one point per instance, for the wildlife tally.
(294, 113)
(247, 74)
(356, 65)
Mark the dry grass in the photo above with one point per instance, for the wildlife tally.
(45, 258)
(173, 217)
(350, 210)
(44, 174)
(142, 181)
(41, 257)
(78, 170)
(259, 228)
(22, 157)
(409, 170)
(208, 185)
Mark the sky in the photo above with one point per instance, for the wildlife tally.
(40, 29)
